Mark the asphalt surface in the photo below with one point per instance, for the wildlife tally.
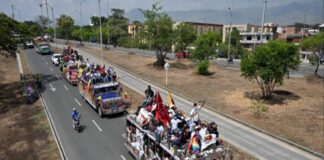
(256, 143)
(100, 139)
(304, 69)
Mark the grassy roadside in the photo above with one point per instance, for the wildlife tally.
(24, 129)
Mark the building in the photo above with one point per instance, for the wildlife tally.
(240, 27)
(202, 28)
(291, 33)
(251, 39)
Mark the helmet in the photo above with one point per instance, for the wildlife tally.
(74, 109)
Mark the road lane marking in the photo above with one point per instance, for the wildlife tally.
(77, 102)
(58, 77)
(46, 63)
(122, 157)
(51, 69)
(42, 58)
(94, 122)
(52, 88)
(66, 87)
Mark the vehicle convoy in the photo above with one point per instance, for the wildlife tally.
(103, 96)
(41, 46)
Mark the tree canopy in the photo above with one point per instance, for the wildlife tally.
(316, 45)
(160, 32)
(269, 63)
(185, 35)
(65, 24)
(206, 45)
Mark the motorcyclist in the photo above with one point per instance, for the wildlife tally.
(75, 116)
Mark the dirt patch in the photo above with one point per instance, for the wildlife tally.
(295, 113)
(24, 130)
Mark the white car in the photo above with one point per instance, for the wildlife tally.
(29, 44)
(55, 58)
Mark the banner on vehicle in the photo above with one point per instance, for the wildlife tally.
(207, 140)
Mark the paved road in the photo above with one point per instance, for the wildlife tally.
(257, 144)
(91, 143)
(304, 68)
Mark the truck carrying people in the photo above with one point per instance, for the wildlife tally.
(41, 46)
(158, 131)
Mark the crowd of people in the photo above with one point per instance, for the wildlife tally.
(170, 126)
(87, 70)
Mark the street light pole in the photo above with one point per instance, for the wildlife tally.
(263, 15)
(54, 26)
(229, 37)
(81, 24)
(108, 23)
(46, 9)
(12, 10)
(100, 32)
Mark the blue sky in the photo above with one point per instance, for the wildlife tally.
(29, 9)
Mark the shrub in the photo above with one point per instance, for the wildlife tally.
(202, 67)
(258, 108)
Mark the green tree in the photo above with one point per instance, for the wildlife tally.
(269, 63)
(185, 35)
(159, 32)
(236, 47)
(95, 20)
(206, 45)
(8, 26)
(316, 45)
(117, 26)
(65, 25)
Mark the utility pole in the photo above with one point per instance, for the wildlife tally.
(46, 9)
(81, 24)
(12, 10)
(108, 24)
(54, 26)
(229, 37)
(100, 33)
(41, 7)
(302, 38)
(263, 15)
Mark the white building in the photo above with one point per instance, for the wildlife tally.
(251, 39)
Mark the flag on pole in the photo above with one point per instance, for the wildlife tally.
(170, 100)
(161, 113)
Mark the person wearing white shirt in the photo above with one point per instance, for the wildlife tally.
(174, 123)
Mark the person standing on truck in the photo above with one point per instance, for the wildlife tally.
(194, 113)
(149, 91)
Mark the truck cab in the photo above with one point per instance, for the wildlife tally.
(104, 97)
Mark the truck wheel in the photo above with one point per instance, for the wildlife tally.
(100, 112)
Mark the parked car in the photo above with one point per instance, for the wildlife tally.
(55, 59)
(182, 54)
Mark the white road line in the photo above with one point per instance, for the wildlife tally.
(77, 102)
(52, 88)
(46, 63)
(42, 58)
(122, 157)
(94, 122)
(51, 69)
(66, 87)
(57, 76)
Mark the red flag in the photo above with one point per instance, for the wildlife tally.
(161, 112)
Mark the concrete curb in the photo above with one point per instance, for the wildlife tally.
(221, 113)
(49, 118)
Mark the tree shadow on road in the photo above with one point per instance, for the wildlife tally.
(278, 97)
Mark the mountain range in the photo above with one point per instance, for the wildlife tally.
(282, 15)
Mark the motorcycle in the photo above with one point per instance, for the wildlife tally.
(76, 124)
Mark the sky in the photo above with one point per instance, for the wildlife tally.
(29, 9)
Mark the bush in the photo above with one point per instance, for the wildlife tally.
(202, 67)
(258, 108)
